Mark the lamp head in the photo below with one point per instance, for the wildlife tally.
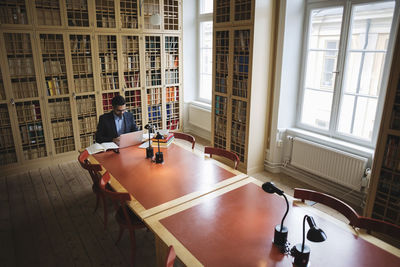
(315, 234)
(159, 136)
(269, 187)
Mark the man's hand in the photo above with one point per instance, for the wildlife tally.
(116, 140)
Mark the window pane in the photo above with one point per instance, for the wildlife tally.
(206, 30)
(369, 36)
(322, 51)
(206, 6)
(317, 108)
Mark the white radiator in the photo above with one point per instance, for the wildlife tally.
(338, 166)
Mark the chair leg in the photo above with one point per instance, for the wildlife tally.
(105, 212)
(121, 231)
(133, 246)
(97, 202)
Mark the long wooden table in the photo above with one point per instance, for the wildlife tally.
(185, 175)
(234, 226)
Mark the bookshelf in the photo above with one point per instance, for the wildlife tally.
(77, 13)
(383, 200)
(239, 95)
(13, 12)
(63, 61)
(129, 14)
(48, 12)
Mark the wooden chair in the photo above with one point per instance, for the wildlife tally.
(124, 215)
(171, 257)
(379, 226)
(186, 137)
(94, 171)
(330, 201)
(223, 153)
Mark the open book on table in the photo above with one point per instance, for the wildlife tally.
(96, 147)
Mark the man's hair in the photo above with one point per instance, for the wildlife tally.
(118, 100)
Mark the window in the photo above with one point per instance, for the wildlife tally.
(344, 69)
(205, 50)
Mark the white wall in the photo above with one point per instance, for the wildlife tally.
(286, 77)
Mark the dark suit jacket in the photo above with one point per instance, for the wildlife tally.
(106, 129)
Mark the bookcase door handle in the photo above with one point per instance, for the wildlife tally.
(12, 102)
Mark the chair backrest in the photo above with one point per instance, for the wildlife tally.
(170, 257)
(330, 201)
(119, 199)
(223, 153)
(186, 137)
(379, 226)
(93, 169)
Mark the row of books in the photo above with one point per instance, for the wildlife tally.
(241, 64)
(153, 43)
(171, 43)
(220, 126)
(6, 138)
(7, 157)
(171, 76)
(173, 124)
(84, 84)
(392, 153)
(76, 5)
(129, 21)
(56, 86)
(171, 60)
(395, 117)
(87, 140)
(22, 89)
(162, 143)
(172, 93)
(132, 81)
(130, 44)
(239, 111)
(21, 66)
(109, 83)
(109, 63)
(4, 117)
(220, 105)
(153, 78)
(105, 19)
(53, 67)
(80, 43)
(64, 145)
(154, 98)
(152, 61)
(48, 16)
(82, 64)
(131, 63)
(18, 43)
(242, 40)
(154, 113)
(86, 106)
(28, 112)
(51, 43)
(35, 152)
(59, 109)
(78, 18)
(107, 44)
(240, 87)
(62, 129)
(32, 133)
(87, 125)
(238, 136)
(13, 14)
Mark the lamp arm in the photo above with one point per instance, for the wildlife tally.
(304, 230)
(287, 210)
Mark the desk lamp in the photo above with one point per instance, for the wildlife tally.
(149, 149)
(281, 231)
(301, 252)
(159, 155)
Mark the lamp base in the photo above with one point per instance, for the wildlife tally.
(159, 157)
(149, 152)
(280, 237)
(301, 258)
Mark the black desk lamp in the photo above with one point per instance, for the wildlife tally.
(149, 149)
(159, 155)
(301, 252)
(281, 231)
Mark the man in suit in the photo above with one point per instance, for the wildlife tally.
(116, 122)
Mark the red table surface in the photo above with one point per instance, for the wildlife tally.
(152, 184)
(237, 228)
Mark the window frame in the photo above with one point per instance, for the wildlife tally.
(344, 40)
(202, 17)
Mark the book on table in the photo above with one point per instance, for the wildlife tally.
(103, 147)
